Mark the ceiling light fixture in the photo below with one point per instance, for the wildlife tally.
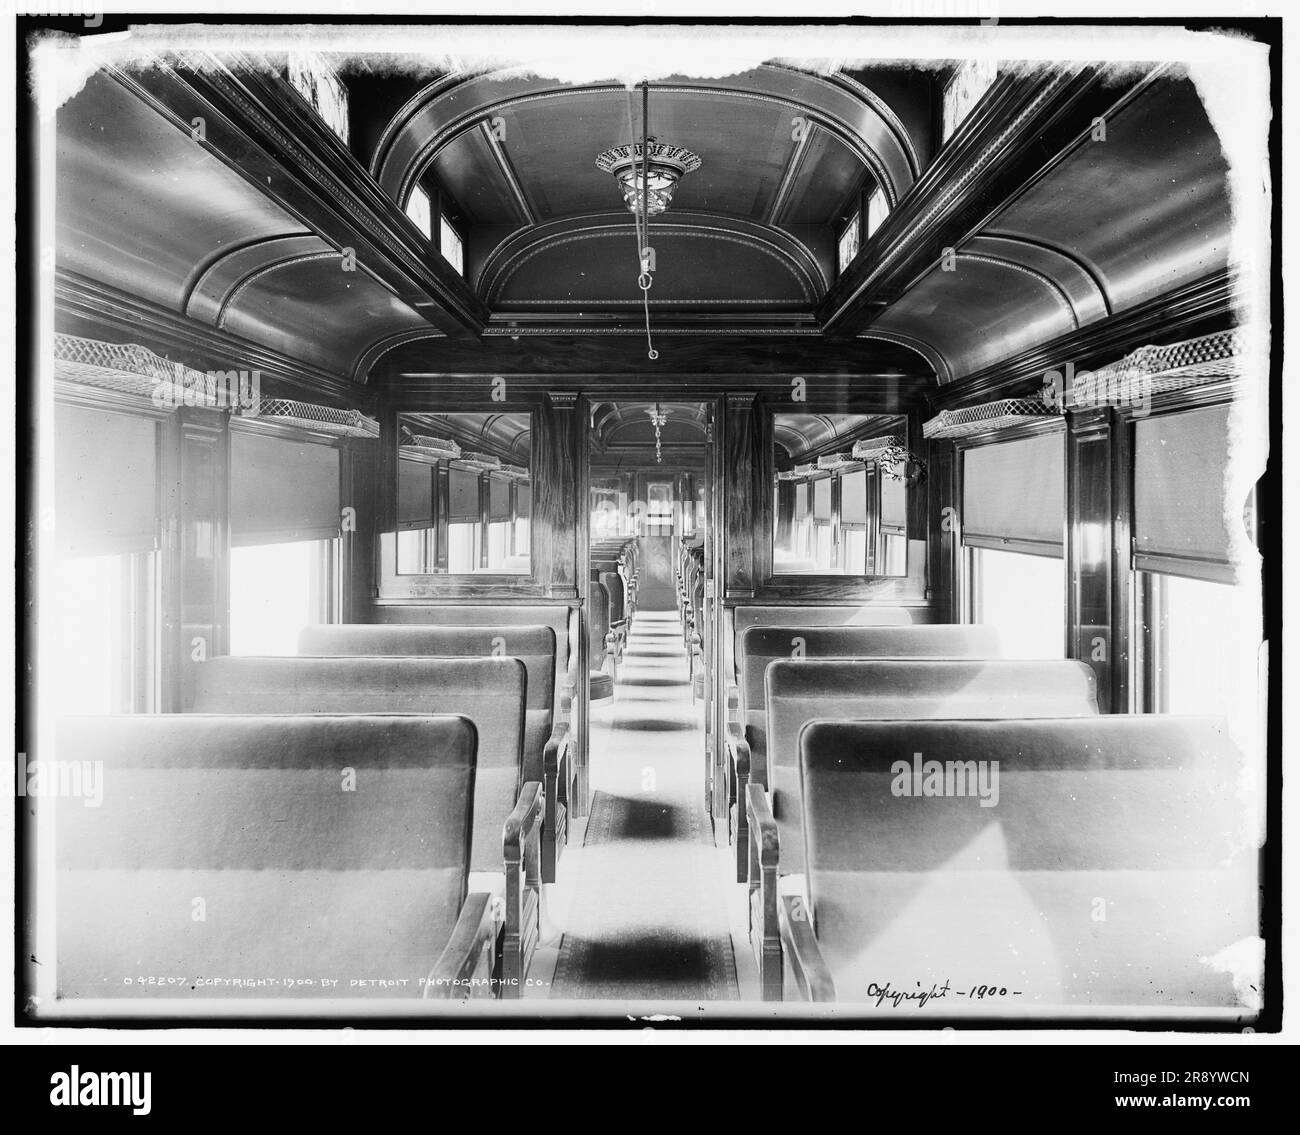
(659, 419)
(647, 173)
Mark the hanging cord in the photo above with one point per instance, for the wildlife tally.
(644, 281)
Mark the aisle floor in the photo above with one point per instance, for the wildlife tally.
(645, 908)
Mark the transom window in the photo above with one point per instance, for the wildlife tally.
(848, 247)
(450, 245)
(877, 211)
(420, 210)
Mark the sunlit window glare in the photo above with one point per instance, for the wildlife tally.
(274, 593)
(1024, 597)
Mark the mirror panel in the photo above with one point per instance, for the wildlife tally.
(839, 495)
(464, 493)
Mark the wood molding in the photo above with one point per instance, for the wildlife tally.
(87, 307)
(258, 126)
(996, 153)
(1203, 306)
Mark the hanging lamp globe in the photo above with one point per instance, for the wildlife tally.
(665, 165)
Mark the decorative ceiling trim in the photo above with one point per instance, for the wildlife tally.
(1085, 268)
(955, 186)
(265, 270)
(413, 116)
(781, 198)
(571, 329)
(593, 302)
(1205, 305)
(936, 361)
(371, 355)
(882, 108)
(1021, 129)
(1058, 293)
(86, 306)
(208, 266)
(520, 247)
(260, 128)
(527, 214)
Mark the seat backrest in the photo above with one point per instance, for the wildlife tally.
(232, 849)
(761, 645)
(490, 692)
(617, 597)
(534, 645)
(1108, 863)
(799, 692)
(556, 616)
(742, 618)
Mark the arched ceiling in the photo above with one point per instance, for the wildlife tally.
(626, 424)
(273, 240)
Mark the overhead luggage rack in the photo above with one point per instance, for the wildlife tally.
(126, 368)
(426, 446)
(875, 448)
(484, 462)
(324, 419)
(985, 417)
(1160, 370)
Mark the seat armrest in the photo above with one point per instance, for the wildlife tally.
(736, 769)
(739, 754)
(473, 936)
(764, 841)
(811, 974)
(521, 837)
(556, 770)
(522, 823)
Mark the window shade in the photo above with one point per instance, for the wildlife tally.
(1014, 492)
(893, 504)
(414, 494)
(499, 498)
(282, 490)
(1179, 462)
(523, 500)
(822, 499)
(463, 508)
(105, 482)
(853, 497)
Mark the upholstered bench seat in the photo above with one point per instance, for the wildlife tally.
(229, 860)
(1116, 865)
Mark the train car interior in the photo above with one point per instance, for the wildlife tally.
(605, 524)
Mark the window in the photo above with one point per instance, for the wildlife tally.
(99, 584)
(1023, 596)
(105, 610)
(1197, 645)
(276, 590)
(964, 90)
(420, 210)
(450, 245)
(877, 210)
(318, 83)
(849, 242)
(462, 548)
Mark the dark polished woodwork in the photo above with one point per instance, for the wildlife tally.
(1090, 552)
(1021, 126)
(257, 125)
